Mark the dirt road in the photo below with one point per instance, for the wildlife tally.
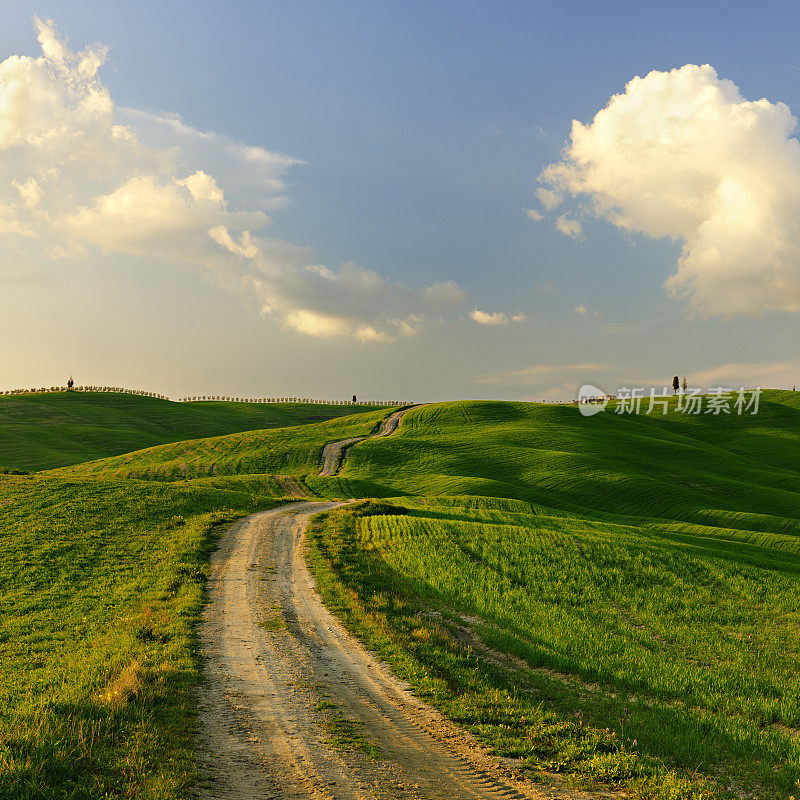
(293, 707)
(285, 681)
(333, 454)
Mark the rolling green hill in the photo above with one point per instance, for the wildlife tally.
(728, 474)
(613, 597)
(43, 431)
(738, 473)
(286, 451)
(640, 573)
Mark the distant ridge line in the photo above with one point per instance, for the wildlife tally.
(202, 398)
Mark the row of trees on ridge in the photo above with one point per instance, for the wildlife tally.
(200, 398)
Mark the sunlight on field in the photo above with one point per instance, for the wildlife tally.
(611, 598)
(578, 645)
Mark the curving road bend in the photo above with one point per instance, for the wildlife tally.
(277, 663)
(334, 453)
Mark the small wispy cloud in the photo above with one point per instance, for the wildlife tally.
(495, 318)
(583, 310)
(619, 328)
(549, 199)
(569, 226)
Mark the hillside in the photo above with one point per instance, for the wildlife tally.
(43, 431)
(727, 473)
(721, 472)
(287, 451)
(612, 598)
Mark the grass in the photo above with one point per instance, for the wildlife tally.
(43, 431)
(102, 580)
(342, 732)
(736, 477)
(642, 572)
(102, 583)
(612, 598)
(284, 451)
(582, 647)
(347, 734)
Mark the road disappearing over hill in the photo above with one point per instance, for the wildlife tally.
(334, 453)
(292, 705)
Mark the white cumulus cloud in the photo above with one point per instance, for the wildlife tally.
(682, 154)
(81, 178)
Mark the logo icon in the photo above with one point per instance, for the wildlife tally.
(591, 400)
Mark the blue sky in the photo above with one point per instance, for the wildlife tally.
(420, 130)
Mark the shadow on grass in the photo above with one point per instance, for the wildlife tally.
(555, 715)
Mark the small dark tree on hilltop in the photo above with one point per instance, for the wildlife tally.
(675, 384)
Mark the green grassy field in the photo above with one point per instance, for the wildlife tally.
(643, 572)
(42, 431)
(102, 582)
(283, 451)
(665, 664)
(614, 598)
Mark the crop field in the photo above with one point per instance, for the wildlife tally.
(613, 599)
(43, 431)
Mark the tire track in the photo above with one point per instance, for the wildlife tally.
(294, 486)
